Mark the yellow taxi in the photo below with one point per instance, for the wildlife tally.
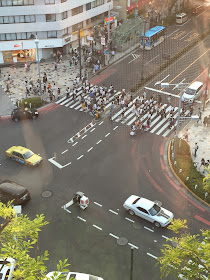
(23, 155)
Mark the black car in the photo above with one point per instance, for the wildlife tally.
(24, 113)
(12, 191)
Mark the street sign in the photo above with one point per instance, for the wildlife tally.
(103, 41)
(89, 38)
(16, 46)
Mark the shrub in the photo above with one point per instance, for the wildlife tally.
(36, 102)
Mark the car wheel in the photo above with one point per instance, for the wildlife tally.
(157, 224)
(16, 119)
(131, 212)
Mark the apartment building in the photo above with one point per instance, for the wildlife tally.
(54, 22)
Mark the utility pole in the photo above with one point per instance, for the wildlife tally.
(109, 26)
(80, 62)
(131, 269)
(37, 53)
(143, 48)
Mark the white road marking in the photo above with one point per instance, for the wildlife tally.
(135, 56)
(114, 236)
(99, 142)
(98, 204)
(107, 134)
(57, 164)
(113, 212)
(130, 244)
(115, 127)
(92, 129)
(152, 256)
(80, 157)
(68, 211)
(165, 237)
(151, 60)
(149, 229)
(185, 35)
(173, 33)
(68, 204)
(84, 136)
(64, 152)
(97, 227)
(81, 219)
(74, 144)
(129, 220)
(71, 140)
(100, 123)
(89, 149)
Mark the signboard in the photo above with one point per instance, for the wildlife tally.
(103, 41)
(14, 59)
(111, 19)
(89, 38)
(16, 46)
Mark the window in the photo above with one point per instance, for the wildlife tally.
(17, 36)
(77, 26)
(142, 210)
(51, 17)
(88, 6)
(108, 1)
(97, 3)
(17, 19)
(77, 10)
(64, 31)
(62, 1)
(64, 15)
(51, 34)
(48, 2)
(16, 2)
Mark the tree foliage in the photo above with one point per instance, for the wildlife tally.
(19, 238)
(188, 256)
(206, 180)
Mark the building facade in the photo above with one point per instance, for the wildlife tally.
(54, 22)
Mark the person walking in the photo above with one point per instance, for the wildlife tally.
(196, 149)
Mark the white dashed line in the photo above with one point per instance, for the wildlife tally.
(129, 220)
(92, 129)
(68, 211)
(80, 157)
(165, 237)
(81, 219)
(100, 123)
(130, 244)
(89, 149)
(149, 229)
(152, 256)
(74, 144)
(115, 127)
(97, 227)
(114, 236)
(98, 204)
(64, 152)
(113, 212)
(99, 142)
(107, 134)
(84, 136)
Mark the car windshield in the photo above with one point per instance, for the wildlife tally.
(28, 154)
(154, 210)
(190, 91)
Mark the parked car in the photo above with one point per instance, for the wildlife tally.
(23, 155)
(197, 10)
(13, 191)
(148, 210)
(193, 92)
(24, 113)
(8, 268)
(73, 275)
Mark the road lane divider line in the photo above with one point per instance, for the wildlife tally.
(89, 149)
(107, 134)
(84, 136)
(81, 219)
(97, 204)
(80, 157)
(115, 127)
(68, 204)
(165, 237)
(92, 129)
(67, 210)
(97, 227)
(130, 220)
(53, 161)
(113, 235)
(75, 144)
(99, 142)
(100, 123)
(113, 212)
(149, 229)
(64, 152)
(154, 257)
(130, 244)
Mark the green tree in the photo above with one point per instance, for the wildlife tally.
(188, 256)
(206, 180)
(19, 237)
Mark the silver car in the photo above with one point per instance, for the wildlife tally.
(148, 210)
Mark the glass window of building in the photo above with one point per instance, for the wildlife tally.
(52, 34)
(48, 2)
(65, 15)
(62, 1)
(97, 3)
(51, 17)
(88, 6)
(16, 2)
(77, 10)
(64, 31)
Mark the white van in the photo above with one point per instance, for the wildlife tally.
(192, 92)
(181, 18)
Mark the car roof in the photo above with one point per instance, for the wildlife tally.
(20, 149)
(195, 85)
(145, 203)
(12, 187)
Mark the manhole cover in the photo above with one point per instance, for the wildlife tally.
(137, 225)
(46, 194)
(122, 241)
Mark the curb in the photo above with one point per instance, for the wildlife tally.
(180, 181)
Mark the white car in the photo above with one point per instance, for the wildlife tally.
(192, 92)
(73, 275)
(148, 210)
(8, 268)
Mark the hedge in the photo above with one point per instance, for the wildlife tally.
(36, 102)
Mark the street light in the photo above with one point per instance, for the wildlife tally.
(142, 68)
(37, 53)
(80, 62)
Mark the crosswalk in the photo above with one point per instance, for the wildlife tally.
(159, 125)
